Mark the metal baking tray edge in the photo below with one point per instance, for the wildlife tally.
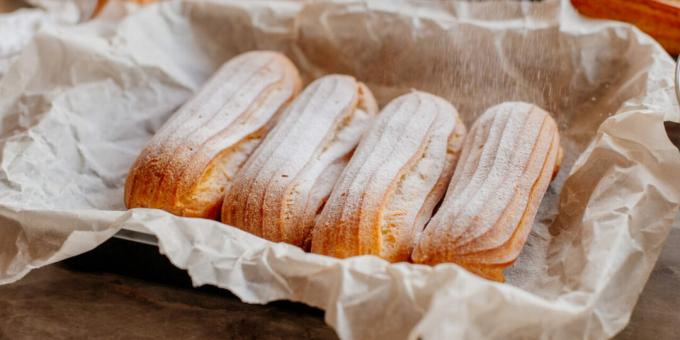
(137, 235)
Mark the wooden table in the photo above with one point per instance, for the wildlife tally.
(123, 291)
(129, 291)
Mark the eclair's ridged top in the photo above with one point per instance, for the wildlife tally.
(237, 102)
(392, 181)
(506, 165)
(279, 190)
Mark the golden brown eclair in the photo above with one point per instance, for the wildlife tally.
(658, 18)
(397, 175)
(102, 3)
(279, 191)
(506, 165)
(188, 165)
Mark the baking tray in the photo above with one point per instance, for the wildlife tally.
(136, 235)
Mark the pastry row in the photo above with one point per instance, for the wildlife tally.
(325, 170)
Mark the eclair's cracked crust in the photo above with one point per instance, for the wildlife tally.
(507, 163)
(395, 178)
(188, 165)
(280, 189)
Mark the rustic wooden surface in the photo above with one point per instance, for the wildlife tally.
(120, 291)
(140, 296)
(59, 303)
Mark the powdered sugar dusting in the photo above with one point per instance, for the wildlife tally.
(375, 204)
(509, 150)
(236, 103)
(278, 191)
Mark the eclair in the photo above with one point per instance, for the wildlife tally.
(508, 160)
(279, 191)
(190, 162)
(397, 175)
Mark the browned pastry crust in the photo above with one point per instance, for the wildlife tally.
(189, 164)
(507, 163)
(393, 182)
(281, 188)
(658, 18)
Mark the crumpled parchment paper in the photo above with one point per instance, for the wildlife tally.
(79, 103)
(18, 27)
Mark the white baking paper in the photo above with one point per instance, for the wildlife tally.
(80, 102)
(18, 27)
